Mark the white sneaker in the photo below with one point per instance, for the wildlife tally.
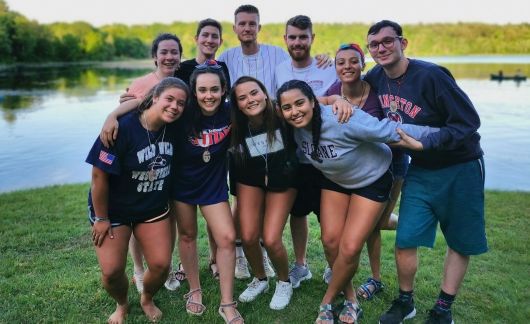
(172, 283)
(241, 271)
(254, 289)
(327, 275)
(267, 266)
(282, 295)
(138, 280)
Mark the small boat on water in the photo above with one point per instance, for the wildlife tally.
(501, 77)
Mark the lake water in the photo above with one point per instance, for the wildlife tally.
(49, 118)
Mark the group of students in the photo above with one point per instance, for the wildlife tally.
(289, 149)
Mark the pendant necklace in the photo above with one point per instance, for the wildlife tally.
(206, 155)
(360, 99)
(158, 161)
(399, 81)
(264, 156)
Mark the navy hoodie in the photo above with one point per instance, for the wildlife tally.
(427, 94)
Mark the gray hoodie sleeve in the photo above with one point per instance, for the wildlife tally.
(363, 126)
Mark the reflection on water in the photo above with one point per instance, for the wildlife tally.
(27, 88)
(51, 116)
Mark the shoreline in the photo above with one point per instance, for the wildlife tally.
(87, 184)
(148, 63)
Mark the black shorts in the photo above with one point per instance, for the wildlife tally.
(278, 179)
(150, 218)
(308, 184)
(378, 191)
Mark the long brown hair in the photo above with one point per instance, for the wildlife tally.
(240, 121)
(316, 121)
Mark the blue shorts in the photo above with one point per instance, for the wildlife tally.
(452, 196)
(400, 165)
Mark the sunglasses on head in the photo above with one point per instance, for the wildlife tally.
(208, 64)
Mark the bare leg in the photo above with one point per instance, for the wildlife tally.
(136, 255)
(187, 242)
(155, 239)
(455, 268)
(277, 206)
(212, 247)
(112, 257)
(172, 228)
(374, 253)
(299, 234)
(220, 222)
(407, 265)
(362, 217)
(234, 209)
(250, 202)
(333, 213)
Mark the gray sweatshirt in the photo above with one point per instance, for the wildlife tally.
(353, 154)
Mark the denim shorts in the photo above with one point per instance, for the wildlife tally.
(452, 196)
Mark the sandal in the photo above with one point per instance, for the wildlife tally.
(180, 275)
(350, 313)
(214, 269)
(192, 307)
(325, 315)
(235, 318)
(370, 288)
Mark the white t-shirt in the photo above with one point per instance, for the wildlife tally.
(261, 65)
(319, 79)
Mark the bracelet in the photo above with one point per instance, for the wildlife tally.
(101, 219)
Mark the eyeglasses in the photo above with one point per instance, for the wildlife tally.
(387, 42)
(209, 64)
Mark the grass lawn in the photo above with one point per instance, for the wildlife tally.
(49, 272)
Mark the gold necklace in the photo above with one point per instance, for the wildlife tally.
(360, 99)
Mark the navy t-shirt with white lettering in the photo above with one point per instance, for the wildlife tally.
(132, 195)
(195, 181)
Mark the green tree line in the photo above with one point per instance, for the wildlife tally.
(25, 40)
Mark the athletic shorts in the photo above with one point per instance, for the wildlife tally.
(452, 196)
(309, 181)
(157, 217)
(378, 191)
(400, 165)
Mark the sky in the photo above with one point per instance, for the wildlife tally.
(130, 12)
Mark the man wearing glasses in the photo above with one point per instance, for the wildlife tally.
(445, 182)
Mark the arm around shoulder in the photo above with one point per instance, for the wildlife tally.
(109, 131)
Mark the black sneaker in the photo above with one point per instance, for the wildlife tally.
(398, 312)
(439, 317)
